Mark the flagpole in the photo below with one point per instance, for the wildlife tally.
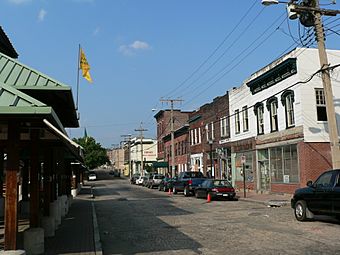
(78, 77)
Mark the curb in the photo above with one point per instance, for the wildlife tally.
(96, 236)
(269, 203)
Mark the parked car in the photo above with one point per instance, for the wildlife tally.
(92, 176)
(166, 184)
(140, 180)
(146, 181)
(155, 180)
(216, 188)
(320, 197)
(134, 178)
(187, 182)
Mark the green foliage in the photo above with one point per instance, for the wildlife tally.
(95, 155)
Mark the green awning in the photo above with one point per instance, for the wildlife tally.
(160, 164)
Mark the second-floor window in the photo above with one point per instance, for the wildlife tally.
(320, 105)
(272, 107)
(224, 126)
(287, 100)
(209, 129)
(245, 118)
(237, 121)
(258, 109)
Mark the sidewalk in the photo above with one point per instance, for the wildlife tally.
(78, 232)
(271, 199)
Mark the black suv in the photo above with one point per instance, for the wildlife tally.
(320, 197)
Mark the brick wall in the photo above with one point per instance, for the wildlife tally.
(314, 159)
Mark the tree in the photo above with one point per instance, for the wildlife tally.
(94, 154)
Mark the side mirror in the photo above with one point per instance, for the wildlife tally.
(309, 183)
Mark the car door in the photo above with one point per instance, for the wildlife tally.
(320, 200)
(336, 194)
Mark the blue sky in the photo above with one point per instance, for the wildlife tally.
(142, 50)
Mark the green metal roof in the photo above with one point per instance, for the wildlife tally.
(41, 87)
(15, 103)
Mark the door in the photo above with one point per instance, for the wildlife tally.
(264, 175)
(336, 195)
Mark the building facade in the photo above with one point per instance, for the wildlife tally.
(279, 129)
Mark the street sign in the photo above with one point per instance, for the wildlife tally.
(243, 159)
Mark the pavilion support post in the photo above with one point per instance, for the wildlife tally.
(48, 159)
(1, 172)
(34, 180)
(68, 176)
(11, 201)
(25, 179)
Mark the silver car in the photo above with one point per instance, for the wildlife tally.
(155, 180)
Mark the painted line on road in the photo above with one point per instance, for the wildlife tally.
(97, 243)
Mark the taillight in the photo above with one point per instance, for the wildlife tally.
(190, 182)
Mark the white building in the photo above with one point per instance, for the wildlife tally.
(147, 153)
(278, 122)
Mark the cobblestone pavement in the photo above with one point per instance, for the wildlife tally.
(137, 220)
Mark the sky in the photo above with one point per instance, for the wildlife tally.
(142, 51)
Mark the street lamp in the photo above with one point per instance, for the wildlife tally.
(308, 8)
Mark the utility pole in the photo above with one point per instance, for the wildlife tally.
(326, 79)
(129, 152)
(171, 101)
(141, 130)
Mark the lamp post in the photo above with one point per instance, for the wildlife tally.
(306, 9)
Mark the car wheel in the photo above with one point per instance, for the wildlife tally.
(159, 188)
(174, 190)
(186, 191)
(300, 210)
(164, 188)
(196, 194)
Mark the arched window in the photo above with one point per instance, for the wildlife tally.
(287, 99)
(258, 110)
(272, 108)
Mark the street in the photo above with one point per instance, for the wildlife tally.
(137, 220)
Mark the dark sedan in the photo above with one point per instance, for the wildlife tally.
(216, 189)
(320, 197)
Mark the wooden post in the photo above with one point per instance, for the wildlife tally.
(34, 180)
(1, 172)
(11, 201)
(47, 180)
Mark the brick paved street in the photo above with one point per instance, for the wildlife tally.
(137, 220)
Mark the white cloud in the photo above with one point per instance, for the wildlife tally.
(139, 45)
(19, 1)
(96, 31)
(41, 15)
(132, 48)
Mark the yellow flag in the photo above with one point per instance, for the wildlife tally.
(84, 66)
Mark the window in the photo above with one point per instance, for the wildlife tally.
(272, 108)
(284, 164)
(237, 121)
(209, 128)
(245, 118)
(324, 181)
(320, 105)
(224, 126)
(258, 109)
(287, 100)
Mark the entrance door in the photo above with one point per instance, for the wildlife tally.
(264, 175)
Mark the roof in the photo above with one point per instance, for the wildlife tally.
(16, 103)
(6, 46)
(41, 87)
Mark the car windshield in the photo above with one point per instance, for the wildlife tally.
(222, 183)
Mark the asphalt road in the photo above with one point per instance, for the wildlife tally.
(137, 220)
